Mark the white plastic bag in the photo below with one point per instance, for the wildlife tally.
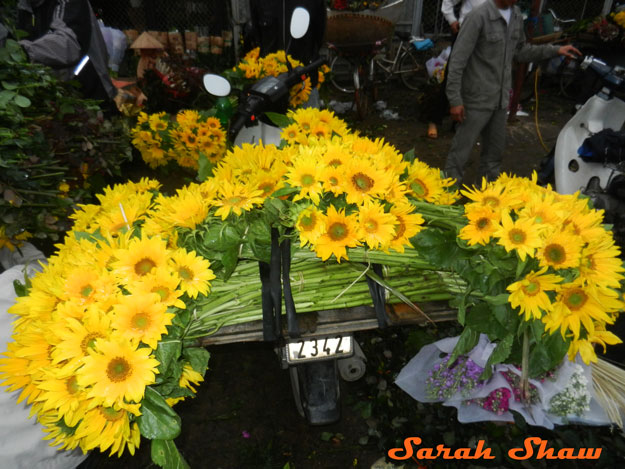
(21, 438)
(436, 65)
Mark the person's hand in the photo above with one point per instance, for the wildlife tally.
(457, 113)
(455, 27)
(569, 51)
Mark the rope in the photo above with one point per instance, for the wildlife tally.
(540, 137)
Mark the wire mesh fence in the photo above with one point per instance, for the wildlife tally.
(199, 28)
(433, 23)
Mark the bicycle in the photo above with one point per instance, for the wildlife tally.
(359, 68)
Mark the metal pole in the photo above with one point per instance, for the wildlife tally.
(417, 15)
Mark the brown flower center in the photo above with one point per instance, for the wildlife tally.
(362, 182)
(144, 266)
(118, 370)
(338, 231)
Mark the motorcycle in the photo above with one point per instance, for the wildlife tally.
(333, 352)
(589, 155)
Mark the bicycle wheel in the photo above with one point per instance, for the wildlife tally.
(412, 69)
(342, 74)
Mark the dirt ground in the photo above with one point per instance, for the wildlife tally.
(244, 415)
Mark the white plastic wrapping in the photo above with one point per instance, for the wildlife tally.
(412, 379)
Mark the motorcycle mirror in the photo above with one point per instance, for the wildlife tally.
(300, 20)
(216, 85)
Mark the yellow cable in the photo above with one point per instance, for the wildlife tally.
(540, 137)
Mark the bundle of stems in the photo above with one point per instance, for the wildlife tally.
(608, 382)
(317, 285)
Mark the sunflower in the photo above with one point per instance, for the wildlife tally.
(292, 134)
(523, 236)
(157, 122)
(376, 226)
(423, 182)
(576, 305)
(164, 283)
(56, 430)
(407, 225)
(236, 198)
(105, 427)
(530, 293)
(600, 262)
(496, 198)
(142, 318)
(310, 224)
(364, 181)
(142, 255)
(483, 223)
(61, 391)
(305, 174)
(586, 348)
(117, 371)
(77, 338)
(561, 250)
(341, 232)
(88, 285)
(187, 118)
(333, 179)
(190, 378)
(186, 209)
(194, 272)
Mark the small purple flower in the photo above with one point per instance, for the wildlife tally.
(245, 434)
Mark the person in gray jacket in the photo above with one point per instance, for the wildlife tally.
(479, 82)
(63, 34)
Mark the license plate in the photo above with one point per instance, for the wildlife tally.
(319, 348)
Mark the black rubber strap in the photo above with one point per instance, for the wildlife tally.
(274, 278)
(267, 302)
(271, 291)
(378, 295)
(289, 304)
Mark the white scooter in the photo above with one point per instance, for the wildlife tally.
(314, 379)
(599, 171)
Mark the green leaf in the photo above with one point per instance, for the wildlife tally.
(21, 101)
(287, 190)
(167, 353)
(20, 288)
(198, 358)
(165, 454)
(9, 85)
(205, 168)
(480, 318)
(326, 436)
(467, 341)
(229, 260)
(158, 421)
(280, 120)
(409, 155)
(498, 355)
(437, 246)
(5, 97)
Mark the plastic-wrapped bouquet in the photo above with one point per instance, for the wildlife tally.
(575, 398)
(447, 378)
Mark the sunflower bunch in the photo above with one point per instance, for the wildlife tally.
(184, 138)
(99, 348)
(619, 18)
(344, 190)
(545, 273)
(253, 67)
